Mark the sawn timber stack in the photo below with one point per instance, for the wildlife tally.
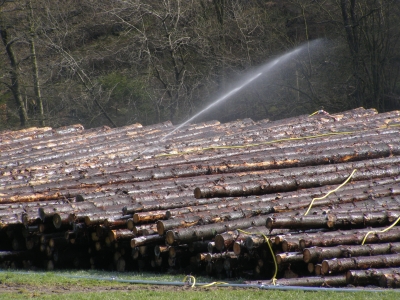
(208, 198)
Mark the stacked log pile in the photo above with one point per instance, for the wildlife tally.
(209, 198)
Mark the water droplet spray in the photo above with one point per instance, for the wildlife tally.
(252, 76)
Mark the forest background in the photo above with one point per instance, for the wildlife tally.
(114, 63)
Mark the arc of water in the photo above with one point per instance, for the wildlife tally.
(268, 67)
(232, 92)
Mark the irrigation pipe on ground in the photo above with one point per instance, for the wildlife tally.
(237, 285)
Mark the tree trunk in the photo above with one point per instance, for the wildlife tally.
(15, 78)
(35, 69)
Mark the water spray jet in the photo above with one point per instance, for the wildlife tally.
(260, 71)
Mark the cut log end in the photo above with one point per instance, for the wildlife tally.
(57, 221)
(197, 193)
(324, 267)
(306, 255)
(219, 242)
(130, 224)
(248, 242)
(169, 237)
(79, 198)
(210, 247)
(349, 277)
(237, 248)
(136, 218)
(172, 252)
(280, 258)
(318, 269)
(269, 222)
(112, 236)
(160, 228)
(310, 267)
(41, 213)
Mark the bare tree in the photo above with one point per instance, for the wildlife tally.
(372, 34)
(34, 60)
(9, 41)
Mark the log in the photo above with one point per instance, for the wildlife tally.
(212, 216)
(146, 240)
(318, 269)
(61, 219)
(318, 254)
(332, 141)
(185, 204)
(116, 221)
(255, 241)
(334, 154)
(226, 239)
(352, 238)
(194, 233)
(339, 153)
(323, 281)
(238, 247)
(289, 180)
(120, 234)
(158, 249)
(333, 220)
(183, 222)
(198, 246)
(289, 257)
(99, 216)
(290, 244)
(175, 251)
(311, 268)
(343, 200)
(212, 257)
(48, 211)
(361, 262)
(145, 229)
(150, 216)
(389, 281)
(369, 276)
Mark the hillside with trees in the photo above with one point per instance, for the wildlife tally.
(140, 61)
